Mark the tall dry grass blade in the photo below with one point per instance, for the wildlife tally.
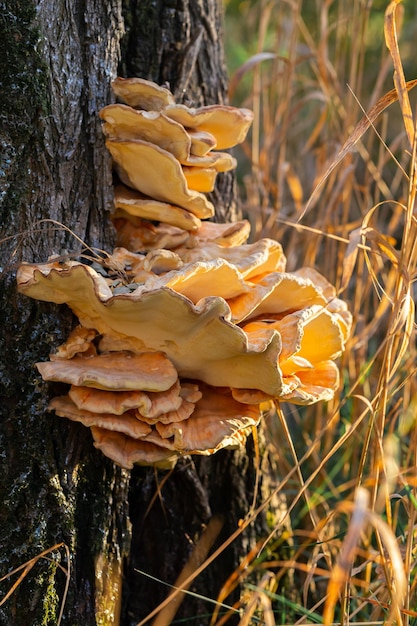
(267, 8)
(202, 548)
(403, 325)
(396, 580)
(293, 452)
(236, 578)
(260, 598)
(390, 31)
(341, 571)
(251, 518)
(349, 260)
(358, 132)
(371, 255)
(219, 550)
(158, 493)
(338, 445)
(393, 566)
(390, 458)
(248, 66)
(26, 569)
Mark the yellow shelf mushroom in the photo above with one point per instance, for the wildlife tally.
(200, 340)
(185, 329)
(136, 204)
(156, 173)
(142, 94)
(123, 122)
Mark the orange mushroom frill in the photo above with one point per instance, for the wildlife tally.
(185, 329)
(189, 348)
(137, 408)
(163, 153)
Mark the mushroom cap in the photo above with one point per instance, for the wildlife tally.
(136, 204)
(311, 339)
(142, 94)
(200, 340)
(322, 336)
(179, 415)
(250, 260)
(309, 273)
(250, 396)
(140, 235)
(200, 178)
(201, 142)
(149, 371)
(156, 173)
(149, 404)
(224, 162)
(225, 235)
(196, 280)
(162, 261)
(219, 161)
(79, 341)
(127, 423)
(123, 122)
(218, 421)
(313, 385)
(130, 265)
(273, 294)
(229, 125)
(173, 405)
(312, 334)
(126, 451)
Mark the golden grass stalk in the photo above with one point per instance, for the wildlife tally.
(356, 222)
(394, 568)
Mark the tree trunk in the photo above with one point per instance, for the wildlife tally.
(57, 59)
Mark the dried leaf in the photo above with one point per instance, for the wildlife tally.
(351, 255)
(383, 243)
(391, 41)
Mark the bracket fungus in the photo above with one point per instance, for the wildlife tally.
(143, 94)
(121, 122)
(133, 203)
(185, 329)
(156, 165)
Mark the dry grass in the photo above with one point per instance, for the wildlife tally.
(337, 187)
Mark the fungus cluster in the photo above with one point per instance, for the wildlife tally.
(185, 329)
(164, 153)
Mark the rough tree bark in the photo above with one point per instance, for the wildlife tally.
(57, 58)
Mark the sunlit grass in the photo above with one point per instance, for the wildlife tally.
(330, 171)
(343, 548)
